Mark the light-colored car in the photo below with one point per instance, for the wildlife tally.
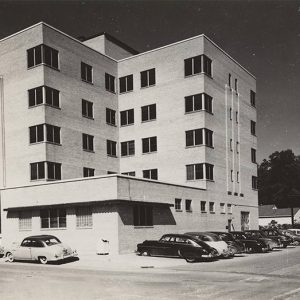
(42, 248)
(215, 242)
(295, 231)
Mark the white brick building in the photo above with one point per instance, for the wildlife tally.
(180, 120)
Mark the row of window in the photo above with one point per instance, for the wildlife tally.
(203, 206)
(57, 217)
(43, 54)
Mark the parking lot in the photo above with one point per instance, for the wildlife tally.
(274, 275)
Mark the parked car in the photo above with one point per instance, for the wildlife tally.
(295, 231)
(283, 241)
(177, 245)
(292, 235)
(229, 239)
(42, 248)
(250, 244)
(214, 241)
(257, 234)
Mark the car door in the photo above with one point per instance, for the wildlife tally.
(161, 248)
(23, 252)
(37, 249)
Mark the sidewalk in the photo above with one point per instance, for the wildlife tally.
(123, 262)
(120, 263)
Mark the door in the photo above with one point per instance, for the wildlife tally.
(23, 252)
(244, 220)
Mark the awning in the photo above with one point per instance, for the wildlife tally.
(87, 203)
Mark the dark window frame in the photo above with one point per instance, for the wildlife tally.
(87, 109)
(126, 84)
(86, 73)
(88, 172)
(53, 218)
(43, 95)
(150, 174)
(87, 142)
(111, 148)
(198, 102)
(148, 112)
(148, 78)
(127, 117)
(110, 116)
(142, 215)
(149, 145)
(110, 83)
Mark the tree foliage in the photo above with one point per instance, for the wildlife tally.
(279, 179)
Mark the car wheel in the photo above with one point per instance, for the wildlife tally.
(43, 260)
(9, 257)
(284, 246)
(190, 259)
(296, 243)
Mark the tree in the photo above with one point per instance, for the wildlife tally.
(279, 180)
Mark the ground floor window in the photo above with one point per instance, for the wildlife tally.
(25, 220)
(53, 218)
(84, 217)
(142, 215)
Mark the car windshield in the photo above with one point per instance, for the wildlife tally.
(226, 237)
(207, 238)
(51, 241)
(255, 234)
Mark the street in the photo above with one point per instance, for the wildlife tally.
(273, 275)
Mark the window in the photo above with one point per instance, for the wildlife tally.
(254, 183)
(45, 170)
(127, 117)
(252, 98)
(229, 208)
(111, 148)
(110, 116)
(132, 173)
(237, 147)
(237, 176)
(54, 171)
(229, 80)
(111, 172)
(84, 217)
(127, 148)
(230, 144)
(253, 155)
(203, 206)
(126, 84)
(43, 95)
(196, 65)
(148, 112)
(25, 220)
(253, 127)
(37, 134)
(148, 78)
(188, 205)
(42, 54)
(230, 113)
(236, 117)
(236, 85)
(87, 142)
(86, 72)
(87, 109)
(88, 172)
(231, 175)
(53, 218)
(198, 102)
(110, 83)
(178, 204)
(222, 208)
(196, 171)
(211, 207)
(149, 144)
(150, 174)
(201, 136)
(142, 215)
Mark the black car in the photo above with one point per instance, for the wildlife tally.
(177, 245)
(236, 245)
(282, 240)
(250, 244)
(258, 235)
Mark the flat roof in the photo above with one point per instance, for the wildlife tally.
(133, 56)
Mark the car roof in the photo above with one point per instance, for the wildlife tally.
(41, 237)
(177, 235)
(201, 233)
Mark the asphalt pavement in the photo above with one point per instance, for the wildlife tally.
(274, 275)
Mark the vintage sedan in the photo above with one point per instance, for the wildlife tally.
(42, 248)
(250, 244)
(292, 235)
(228, 238)
(215, 242)
(257, 235)
(283, 241)
(177, 245)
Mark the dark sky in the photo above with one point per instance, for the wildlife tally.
(264, 36)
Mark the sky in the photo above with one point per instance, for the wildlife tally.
(263, 36)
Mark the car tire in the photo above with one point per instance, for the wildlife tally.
(43, 260)
(190, 259)
(9, 257)
(284, 246)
